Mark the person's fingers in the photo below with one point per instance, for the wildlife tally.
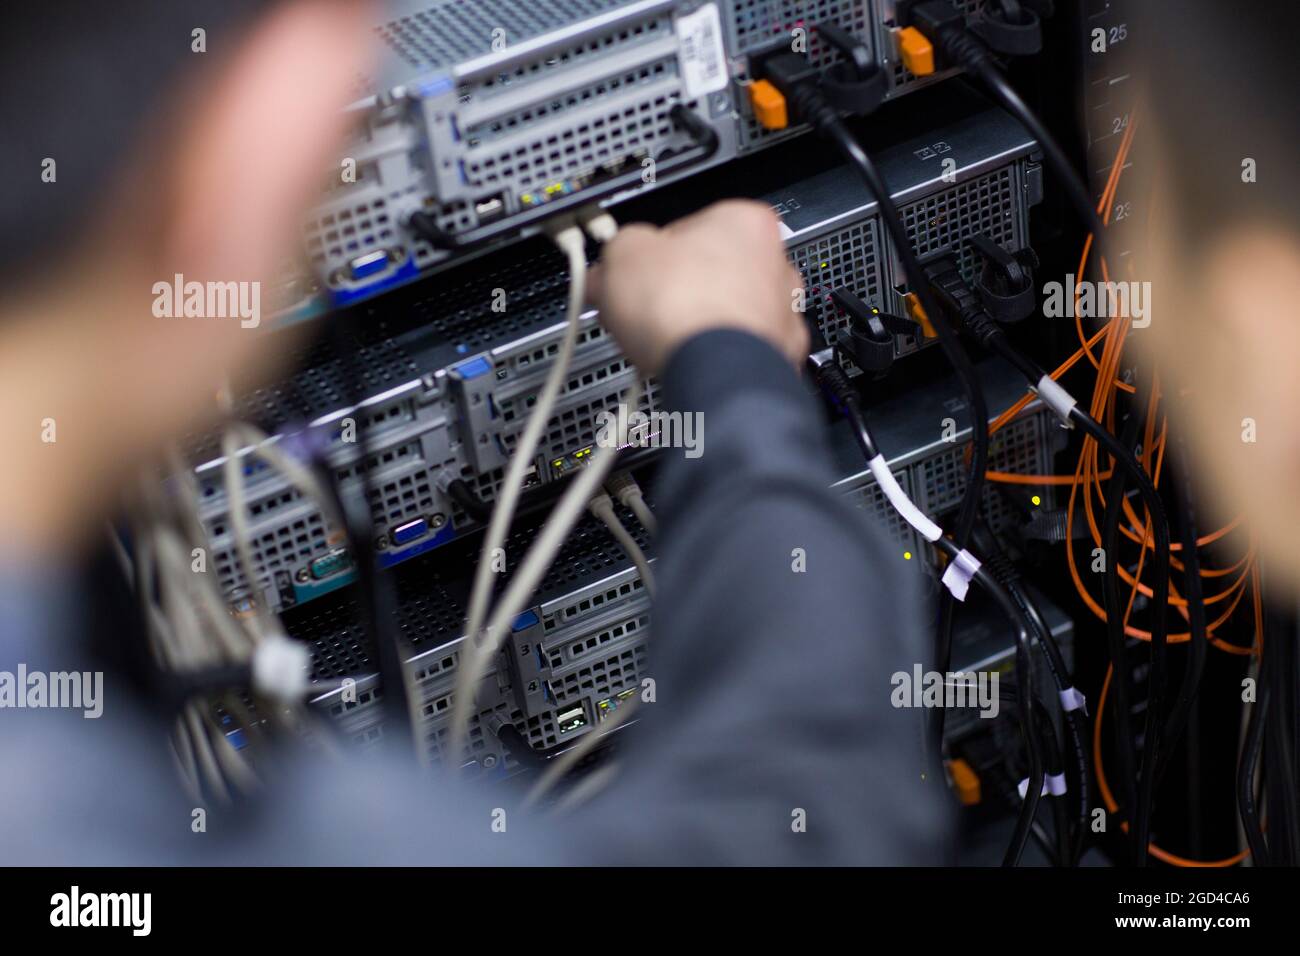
(631, 237)
(794, 278)
(798, 343)
(743, 216)
(631, 243)
(595, 279)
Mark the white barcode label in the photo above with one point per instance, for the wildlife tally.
(699, 52)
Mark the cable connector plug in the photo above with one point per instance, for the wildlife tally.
(945, 27)
(1012, 27)
(459, 491)
(598, 223)
(602, 506)
(628, 493)
(280, 669)
(565, 232)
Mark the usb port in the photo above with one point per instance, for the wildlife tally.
(408, 532)
(571, 719)
(489, 209)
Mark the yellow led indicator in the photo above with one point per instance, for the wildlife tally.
(907, 555)
(824, 264)
(1036, 500)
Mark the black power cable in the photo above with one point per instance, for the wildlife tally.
(989, 334)
(828, 123)
(1057, 845)
(1116, 642)
(1073, 718)
(832, 378)
(946, 29)
(378, 602)
(1055, 766)
(474, 506)
(1246, 804)
(859, 89)
(1124, 459)
(1189, 531)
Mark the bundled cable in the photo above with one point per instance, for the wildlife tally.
(827, 121)
(602, 506)
(569, 238)
(963, 568)
(483, 641)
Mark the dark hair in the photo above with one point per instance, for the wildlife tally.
(78, 79)
(1220, 82)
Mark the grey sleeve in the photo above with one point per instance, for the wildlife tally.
(782, 613)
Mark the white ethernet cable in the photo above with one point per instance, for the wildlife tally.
(189, 624)
(478, 647)
(603, 508)
(569, 237)
(557, 768)
(624, 488)
(475, 658)
(236, 507)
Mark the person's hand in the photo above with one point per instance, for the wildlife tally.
(723, 268)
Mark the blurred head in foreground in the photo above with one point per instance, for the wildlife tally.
(144, 142)
(1218, 165)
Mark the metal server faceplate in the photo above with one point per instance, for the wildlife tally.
(453, 383)
(585, 643)
(924, 436)
(451, 378)
(580, 645)
(976, 175)
(489, 115)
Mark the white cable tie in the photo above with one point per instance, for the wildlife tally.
(1056, 398)
(1053, 783)
(280, 667)
(903, 504)
(959, 572)
(1072, 699)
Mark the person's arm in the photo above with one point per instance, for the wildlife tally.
(782, 611)
(772, 684)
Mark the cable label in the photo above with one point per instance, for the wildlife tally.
(1053, 783)
(959, 572)
(700, 56)
(1072, 699)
